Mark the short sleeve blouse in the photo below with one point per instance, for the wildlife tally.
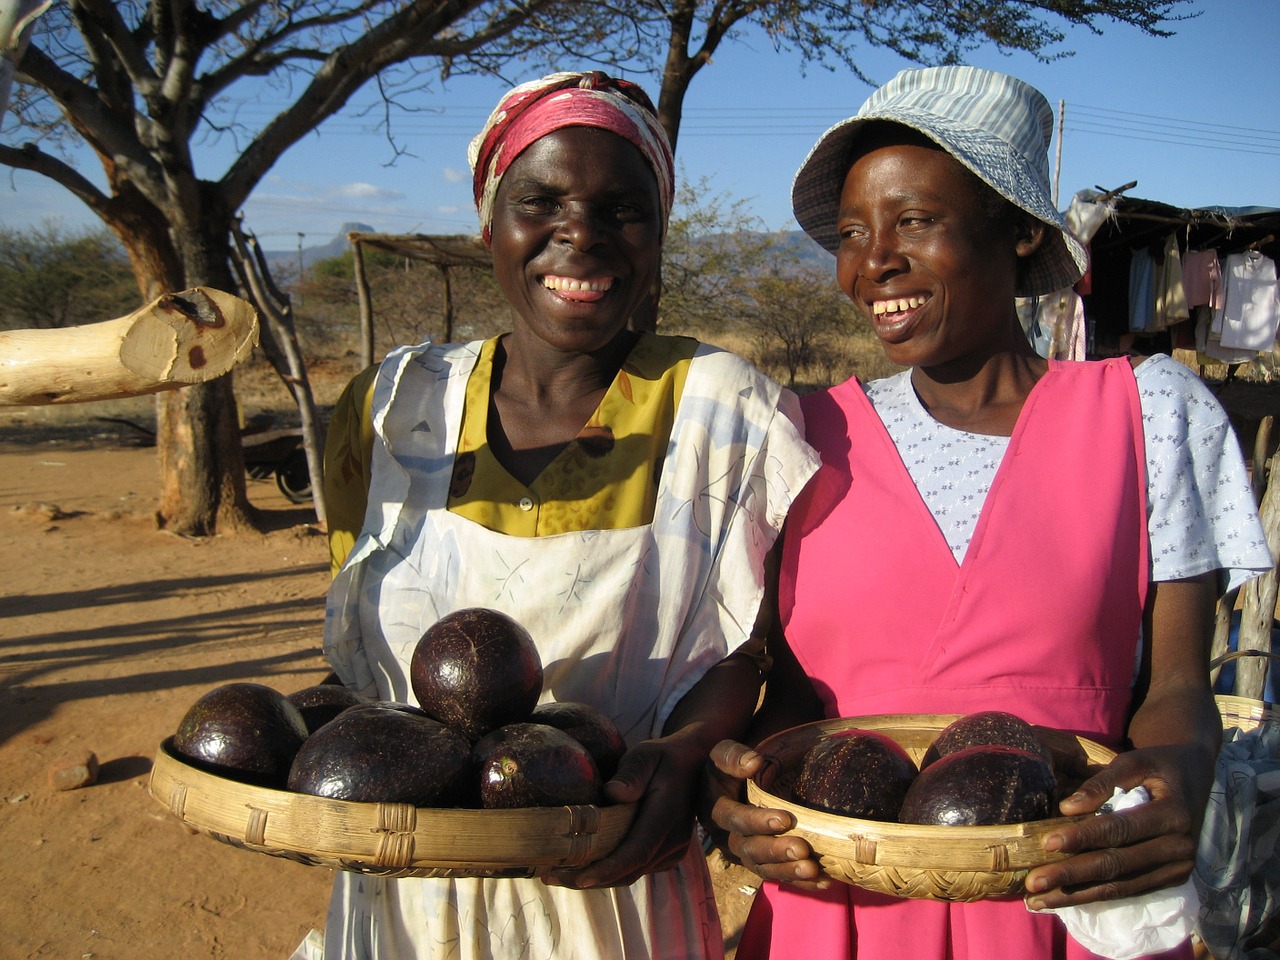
(1201, 514)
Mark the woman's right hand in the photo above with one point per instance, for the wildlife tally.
(752, 832)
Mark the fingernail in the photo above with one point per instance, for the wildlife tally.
(1037, 884)
(1035, 903)
(1075, 797)
(776, 823)
(1053, 842)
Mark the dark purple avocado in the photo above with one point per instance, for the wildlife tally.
(986, 728)
(590, 727)
(475, 670)
(243, 731)
(387, 753)
(855, 773)
(980, 786)
(534, 765)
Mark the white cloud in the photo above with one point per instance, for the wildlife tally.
(366, 192)
(454, 175)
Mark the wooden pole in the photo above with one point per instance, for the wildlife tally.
(280, 343)
(1258, 614)
(176, 340)
(448, 303)
(366, 307)
(1057, 158)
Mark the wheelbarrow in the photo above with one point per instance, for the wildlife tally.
(278, 452)
(267, 451)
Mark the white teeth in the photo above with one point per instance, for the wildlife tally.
(896, 306)
(570, 284)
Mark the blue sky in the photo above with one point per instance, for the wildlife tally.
(1194, 118)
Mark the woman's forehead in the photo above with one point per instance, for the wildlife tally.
(583, 153)
(908, 169)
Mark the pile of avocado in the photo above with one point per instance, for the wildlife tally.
(477, 738)
(984, 768)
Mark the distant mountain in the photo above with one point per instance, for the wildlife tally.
(312, 254)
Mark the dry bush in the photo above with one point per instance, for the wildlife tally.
(856, 352)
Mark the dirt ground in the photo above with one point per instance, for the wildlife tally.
(109, 630)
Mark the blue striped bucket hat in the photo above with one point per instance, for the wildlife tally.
(996, 125)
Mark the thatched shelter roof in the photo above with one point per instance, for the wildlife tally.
(441, 250)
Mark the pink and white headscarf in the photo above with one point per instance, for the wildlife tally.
(534, 109)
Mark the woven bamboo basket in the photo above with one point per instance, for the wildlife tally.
(386, 839)
(1245, 712)
(912, 860)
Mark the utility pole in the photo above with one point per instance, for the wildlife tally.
(299, 283)
(1057, 160)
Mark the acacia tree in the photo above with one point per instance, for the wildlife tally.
(140, 81)
(927, 32)
(54, 278)
(796, 315)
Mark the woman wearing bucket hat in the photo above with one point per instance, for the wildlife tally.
(990, 530)
(614, 492)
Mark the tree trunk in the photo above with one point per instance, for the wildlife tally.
(1258, 612)
(202, 475)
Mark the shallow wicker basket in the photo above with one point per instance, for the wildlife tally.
(386, 839)
(1245, 712)
(912, 860)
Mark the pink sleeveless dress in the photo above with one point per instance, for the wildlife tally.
(1041, 619)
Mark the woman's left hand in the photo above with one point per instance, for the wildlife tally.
(659, 775)
(1144, 848)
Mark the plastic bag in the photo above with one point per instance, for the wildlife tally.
(1135, 926)
(1237, 872)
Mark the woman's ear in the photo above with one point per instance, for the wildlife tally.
(1030, 235)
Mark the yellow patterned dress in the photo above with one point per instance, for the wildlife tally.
(605, 479)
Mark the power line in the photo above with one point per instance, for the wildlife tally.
(1180, 142)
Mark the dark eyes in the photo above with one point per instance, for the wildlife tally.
(621, 212)
(905, 224)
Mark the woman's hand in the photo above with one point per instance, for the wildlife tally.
(1176, 731)
(660, 775)
(1144, 848)
(752, 832)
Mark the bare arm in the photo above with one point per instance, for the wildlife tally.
(664, 774)
(749, 832)
(1175, 733)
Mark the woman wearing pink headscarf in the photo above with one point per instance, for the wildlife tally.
(616, 492)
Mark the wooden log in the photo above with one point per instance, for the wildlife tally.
(177, 340)
(1258, 614)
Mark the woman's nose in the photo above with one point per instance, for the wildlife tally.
(579, 225)
(882, 257)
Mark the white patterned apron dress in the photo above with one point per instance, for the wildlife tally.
(627, 620)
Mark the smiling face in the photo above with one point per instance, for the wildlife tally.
(577, 230)
(926, 256)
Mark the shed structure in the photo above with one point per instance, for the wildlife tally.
(443, 251)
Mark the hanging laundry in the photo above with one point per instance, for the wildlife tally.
(1208, 344)
(1142, 295)
(1170, 296)
(1251, 304)
(1202, 278)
